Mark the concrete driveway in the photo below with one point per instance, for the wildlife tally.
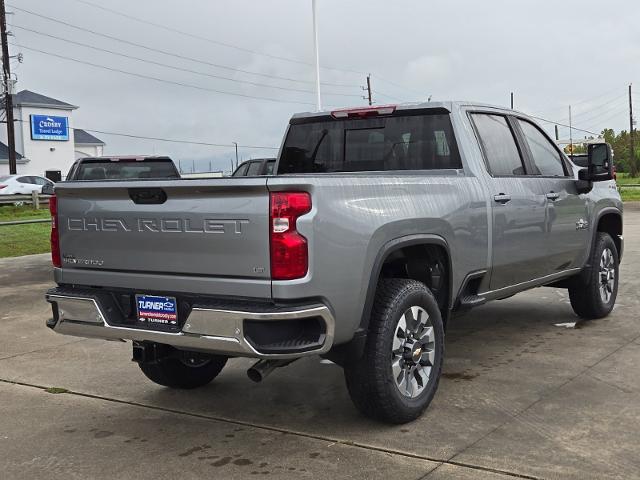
(520, 398)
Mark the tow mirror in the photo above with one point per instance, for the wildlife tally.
(599, 163)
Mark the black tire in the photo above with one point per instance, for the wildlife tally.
(184, 370)
(370, 380)
(585, 291)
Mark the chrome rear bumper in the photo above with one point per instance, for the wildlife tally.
(211, 330)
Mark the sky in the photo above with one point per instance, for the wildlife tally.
(551, 54)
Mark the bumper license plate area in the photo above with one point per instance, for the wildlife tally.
(155, 312)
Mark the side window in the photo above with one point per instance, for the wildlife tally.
(241, 171)
(546, 157)
(254, 169)
(39, 181)
(24, 179)
(270, 165)
(499, 144)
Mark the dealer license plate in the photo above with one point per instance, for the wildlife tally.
(156, 312)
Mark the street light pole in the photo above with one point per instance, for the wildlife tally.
(317, 53)
(236, 145)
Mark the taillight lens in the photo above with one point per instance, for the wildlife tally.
(55, 238)
(2, 186)
(289, 252)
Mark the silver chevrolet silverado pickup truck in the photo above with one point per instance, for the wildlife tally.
(378, 225)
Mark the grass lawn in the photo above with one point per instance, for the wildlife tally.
(630, 194)
(16, 240)
(625, 179)
(9, 213)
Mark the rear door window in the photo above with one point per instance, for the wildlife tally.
(254, 169)
(499, 145)
(270, 165)
(241, 171)
(408, 142)
(546, 157)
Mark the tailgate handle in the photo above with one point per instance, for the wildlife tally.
(147, 196)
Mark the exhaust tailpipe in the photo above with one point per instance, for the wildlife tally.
(262, 368)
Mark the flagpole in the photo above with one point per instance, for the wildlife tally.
(317, 53)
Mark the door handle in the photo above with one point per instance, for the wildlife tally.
(502, 198)
(553, 195)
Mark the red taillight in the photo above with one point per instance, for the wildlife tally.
(2, 186)
(289, 252)
(55, 239)
(362, 112)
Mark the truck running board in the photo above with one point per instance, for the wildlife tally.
(470, 301)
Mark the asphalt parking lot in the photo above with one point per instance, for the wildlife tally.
(521, 398)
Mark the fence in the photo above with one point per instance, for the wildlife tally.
(38, 200)
(35, 199)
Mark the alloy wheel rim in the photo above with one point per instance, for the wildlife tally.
(413, 352)
(607, 275)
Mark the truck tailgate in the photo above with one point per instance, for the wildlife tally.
(213, 228)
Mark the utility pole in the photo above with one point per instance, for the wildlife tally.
(511, 100)
(369, 89)
(570, 132)
(557, 136)
(236, 145)
(6, 80)
(632, 156)
(315, 47)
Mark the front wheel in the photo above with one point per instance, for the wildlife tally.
(594, 296)
(398, 375)
(184, 369)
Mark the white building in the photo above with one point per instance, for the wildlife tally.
(86, 145)
(45, 137)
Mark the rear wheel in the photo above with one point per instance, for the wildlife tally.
(184, 369)
(398, 375)
(594, 296)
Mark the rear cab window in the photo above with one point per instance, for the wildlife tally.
(124, 169)
(403, 141)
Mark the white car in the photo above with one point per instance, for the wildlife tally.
(22, 184)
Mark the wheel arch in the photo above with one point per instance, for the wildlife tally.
(396, 245)
(609, 220)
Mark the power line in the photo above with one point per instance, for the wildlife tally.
(580, 102)
(191, 142)
(169, 140)
(563, 124)
(390, 97)
(601, 120)
(397, 85)
(210, 40)
(173, 67)
(163, 52)
(590, 117)
(162, 80)
(608, 103)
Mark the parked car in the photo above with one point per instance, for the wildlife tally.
(22, 184)
(122, 168)
(380, 224)
(255, 167)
